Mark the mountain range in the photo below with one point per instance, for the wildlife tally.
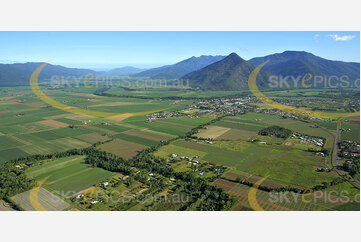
(230, 73)
(20, 73)
(298, 63)
(126, 70)
(205, 72)
(181, 68)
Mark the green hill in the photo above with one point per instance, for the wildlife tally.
(19, 74)
(231, 73)
(299, 63)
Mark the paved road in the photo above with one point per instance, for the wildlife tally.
(334, 157)
(334, 152)
(337, 140)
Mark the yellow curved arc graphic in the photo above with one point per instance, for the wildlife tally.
(88, 77)
(41, 95)
(304, 80)
(300, 111)
(305, 193)
(252, 195)
(34, 195)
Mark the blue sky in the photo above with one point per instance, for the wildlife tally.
(105, 50)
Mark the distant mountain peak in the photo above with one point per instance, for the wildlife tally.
(233, 54)
(181, 68)
(230, 73)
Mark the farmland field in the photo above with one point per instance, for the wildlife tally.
(213, 132)
(147, 134)
(136, 139)
(317, 201)
(352, 132)
(47, 200)
(68, 175)
(30, 127)
(262, 160)
(188, 122)
(246, 126)
(27, 129)
(166, 128)
(122, 148)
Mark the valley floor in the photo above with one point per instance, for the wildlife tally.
(217, 149)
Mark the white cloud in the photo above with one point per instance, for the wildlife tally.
(316, 38)
(341, 38)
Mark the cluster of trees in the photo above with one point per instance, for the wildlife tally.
(323, 150)
(326, 185)
(202, 195)
(276, 131)
(13, 180)
(347, 146)
(352, 167)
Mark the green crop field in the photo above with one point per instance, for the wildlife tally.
(68, 175)
(170, 129)
(328, 125)
(353, 134)
(69, 132)
(284, 202)
(114, 127)
(188, 121)
(148, 134)
(7, 142)
(256, 121)
(13, 153)
(47, 135)
(29, 126)
(240, 125)
(263, 160)
(136, 139)
(122, 148)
